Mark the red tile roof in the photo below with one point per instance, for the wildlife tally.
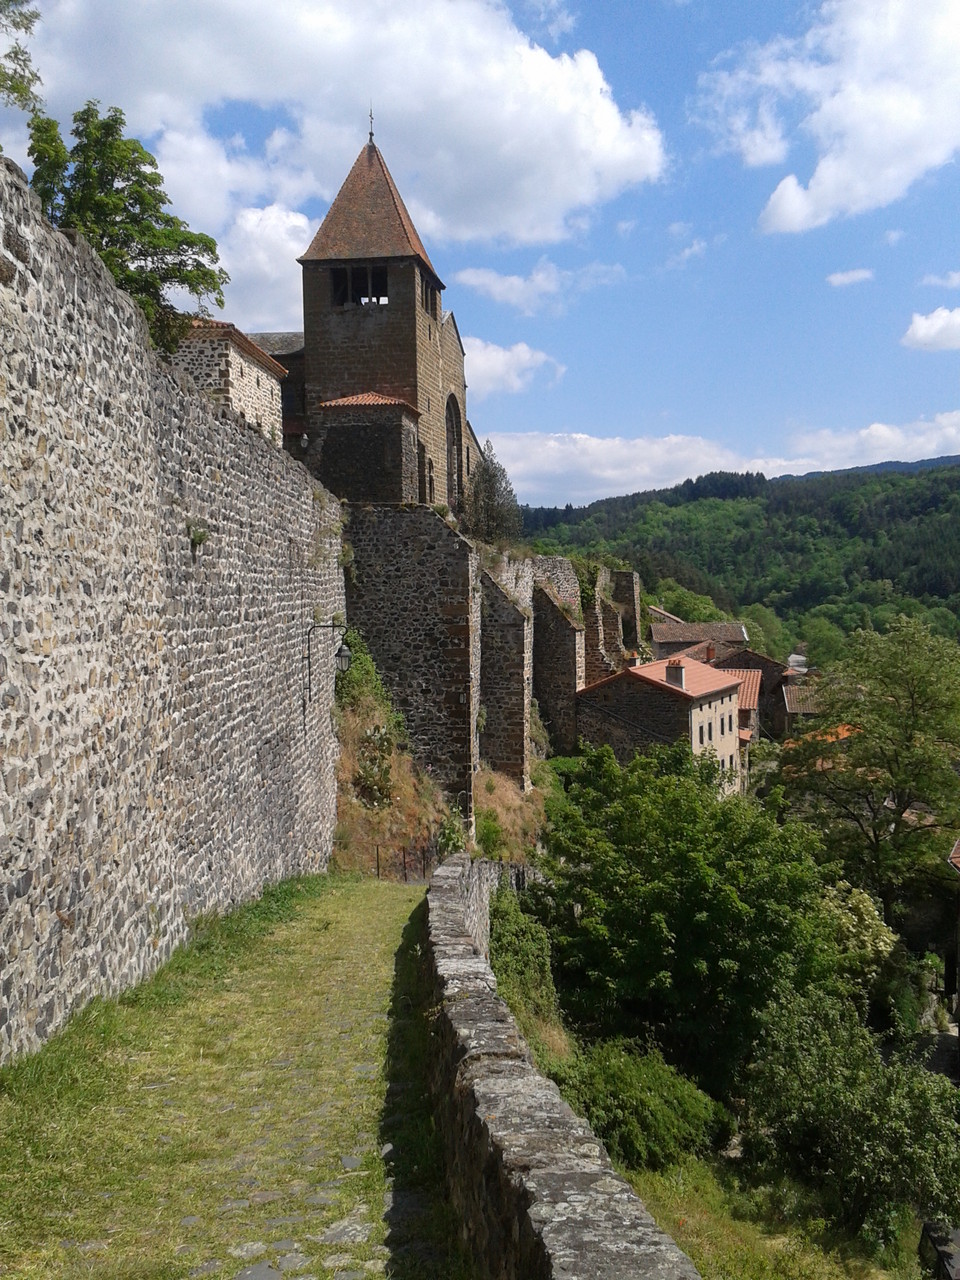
(749, 699)
(205, 327)
(368, 219)
(368, 399)
(699, 680)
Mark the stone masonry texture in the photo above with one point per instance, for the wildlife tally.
(558, 667)
(506, 682)
(231, 377)
(413, 591)
(162, 752)
(534, 1189)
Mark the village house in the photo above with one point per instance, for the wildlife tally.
(673, 700)
(748, 704)
(230, 367)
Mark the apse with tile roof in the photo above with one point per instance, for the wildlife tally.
(384, 396)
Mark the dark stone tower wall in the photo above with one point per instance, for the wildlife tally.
(352, 349)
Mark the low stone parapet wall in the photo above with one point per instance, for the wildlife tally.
(534, 1188)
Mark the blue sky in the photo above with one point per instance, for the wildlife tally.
(676, 236)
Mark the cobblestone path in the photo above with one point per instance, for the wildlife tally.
(276, 1125)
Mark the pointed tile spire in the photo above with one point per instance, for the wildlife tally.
(368, 219)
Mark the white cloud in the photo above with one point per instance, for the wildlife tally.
(490, 368)
(488, 134)
(547, 286)
(893, 237)
(260, 240)
(875, 84)
(939, 331)
(696, 249)
(554, 469)
(679, 230)
(840, 279)
(950, 281)
(553, 16)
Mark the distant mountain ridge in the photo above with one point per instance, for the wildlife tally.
(823, 553)
(923, 464)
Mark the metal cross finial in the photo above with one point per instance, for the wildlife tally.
(371, 122)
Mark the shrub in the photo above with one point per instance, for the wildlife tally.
(647, 1113)
(489, 833)
(872, 1137)
(520, 957)
(362, 686)
(450, 837)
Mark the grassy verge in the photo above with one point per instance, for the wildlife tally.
(422, 1228)
(222, 1115)
(730, 1238)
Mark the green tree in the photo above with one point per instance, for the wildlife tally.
(677, 912)
(872, 1137)
(108, 188)
(878, 772)
(18, 79)
(491, 512)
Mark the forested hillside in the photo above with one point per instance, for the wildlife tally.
(827, 553)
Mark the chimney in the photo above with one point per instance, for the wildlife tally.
(675, 673)
(711, 651)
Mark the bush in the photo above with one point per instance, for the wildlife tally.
(648, 1114)
(489, 833)
(520, 957)
(450, 837)
(362, 686)
(872, 1137)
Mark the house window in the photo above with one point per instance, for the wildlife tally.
(468, 459)
(430, 497)
(710, 731)
(723, 727)
(731, 764)
(701, 735)
(730, 719)
(359, 286)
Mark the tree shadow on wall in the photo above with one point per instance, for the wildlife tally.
(423, 1233)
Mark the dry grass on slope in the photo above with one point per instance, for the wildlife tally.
(400, 809)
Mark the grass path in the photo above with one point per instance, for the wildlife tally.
(252, 1111)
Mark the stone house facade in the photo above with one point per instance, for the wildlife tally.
(675, 699)
(234, 371)
(772, 675)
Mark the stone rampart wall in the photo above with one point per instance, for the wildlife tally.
(161, 751)
(558, 572)
(625, 591)
(558, 667)
(413, 591)
(506, 682)
(534, 1189)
